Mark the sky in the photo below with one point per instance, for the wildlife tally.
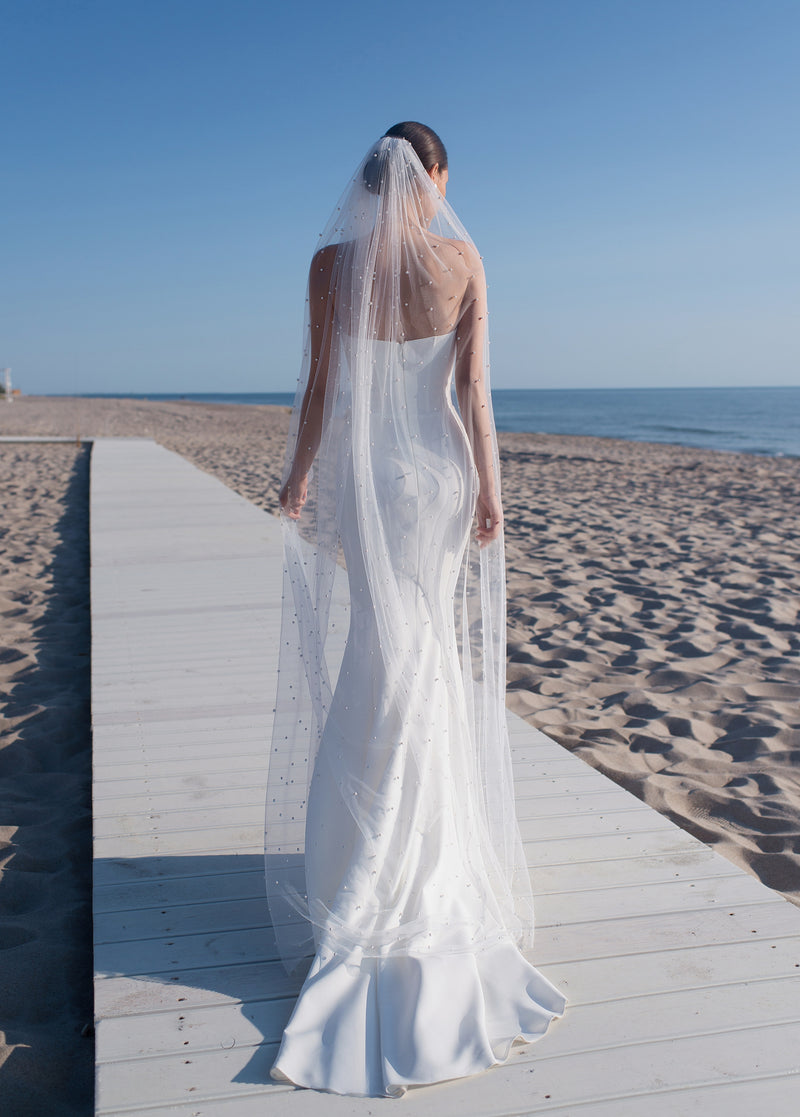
(630, 172)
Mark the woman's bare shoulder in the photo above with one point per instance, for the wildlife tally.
(323, 259)
(464, 250)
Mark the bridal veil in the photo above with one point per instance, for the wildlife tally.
(395, 276)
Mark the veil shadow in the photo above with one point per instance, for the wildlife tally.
(201, 929)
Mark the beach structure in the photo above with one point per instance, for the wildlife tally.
(7, 392)
(683, 972)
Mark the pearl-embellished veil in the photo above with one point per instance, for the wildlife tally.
(396, 287)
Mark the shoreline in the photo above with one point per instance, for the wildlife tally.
(286, 407)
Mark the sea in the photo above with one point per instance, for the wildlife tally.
(752, 420)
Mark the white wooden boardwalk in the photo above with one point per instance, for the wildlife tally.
(683, 972)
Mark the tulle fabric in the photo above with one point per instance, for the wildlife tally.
(395, 285)
(393, 854)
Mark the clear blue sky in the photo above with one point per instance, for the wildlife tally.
(629, 170)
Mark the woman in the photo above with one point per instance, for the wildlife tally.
(393, 855)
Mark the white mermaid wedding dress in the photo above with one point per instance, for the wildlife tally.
(397, 854)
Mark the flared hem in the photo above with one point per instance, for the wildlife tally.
(399, 1091)
(380, 1026)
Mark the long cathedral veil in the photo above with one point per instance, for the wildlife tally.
(394, 276)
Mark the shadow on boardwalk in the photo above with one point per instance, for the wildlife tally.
(198, 927)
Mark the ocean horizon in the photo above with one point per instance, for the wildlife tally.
(764, 421)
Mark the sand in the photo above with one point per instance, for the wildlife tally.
(45, 783)
(653, 629)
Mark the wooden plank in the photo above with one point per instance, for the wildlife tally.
(136, 941)
(248, 883)
(608, 1075)
(682, 971)
(623, 1022)
(684, 967)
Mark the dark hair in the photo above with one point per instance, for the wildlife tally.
(423, 139)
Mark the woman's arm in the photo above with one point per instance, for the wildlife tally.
(472, 398)
(309, 432)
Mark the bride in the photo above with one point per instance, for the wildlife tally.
(393, 854)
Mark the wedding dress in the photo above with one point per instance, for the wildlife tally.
(392, 850)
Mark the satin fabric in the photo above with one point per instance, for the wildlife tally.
(417, 977)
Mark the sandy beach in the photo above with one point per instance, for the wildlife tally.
(652, 595)
(45, 783)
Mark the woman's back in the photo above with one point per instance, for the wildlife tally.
(418, 287)
(402, 849)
